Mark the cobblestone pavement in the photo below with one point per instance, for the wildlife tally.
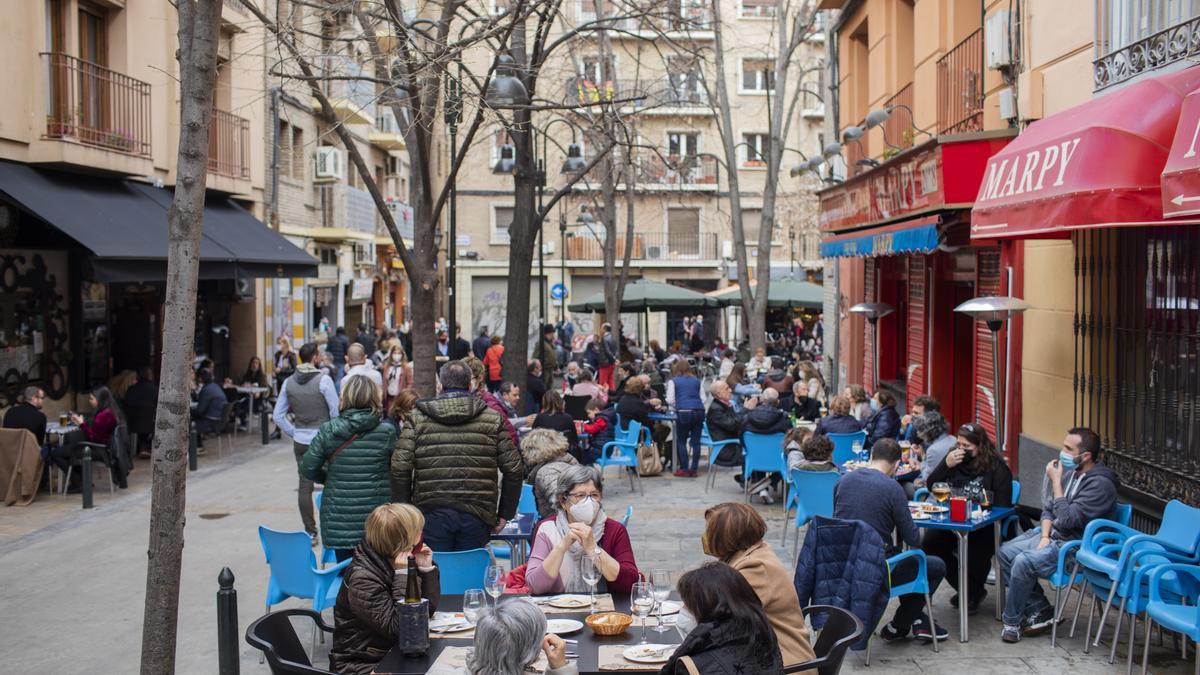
(74, 581)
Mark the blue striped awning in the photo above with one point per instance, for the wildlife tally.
(914, 237)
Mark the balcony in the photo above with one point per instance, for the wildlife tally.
(681, 23)
(96, 106)
(1137, 38)
(647, 248)
(960, 87)
(899, 128)
(646, 97)
(655, 172)
(351, 95)
(229, 145)
(347, 210)
(386, 134)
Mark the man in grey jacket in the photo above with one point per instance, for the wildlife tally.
(1082, 490)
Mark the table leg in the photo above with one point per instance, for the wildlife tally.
(1000, 591)
(963, 631)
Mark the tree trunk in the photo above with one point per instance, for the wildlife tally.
(199, 26)
(423, 286)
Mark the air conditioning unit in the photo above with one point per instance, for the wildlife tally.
(654, 253)
(364, 253)
(997, 47)
(330, 165)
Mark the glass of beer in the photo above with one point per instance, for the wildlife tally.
(941, 492)
(64, 418)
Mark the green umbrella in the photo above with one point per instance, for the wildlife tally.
(783, 293)
(652, 296)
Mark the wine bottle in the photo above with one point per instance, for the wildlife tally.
(411, 593)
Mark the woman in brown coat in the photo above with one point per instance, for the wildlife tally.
(365, 619)
(733, 533)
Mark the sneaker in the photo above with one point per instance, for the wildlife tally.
(1011, 634)
(765, 494)
(1039, 623)
(920, 629)
(681, 474)
(760, 486)
(738, 478)
(692, 474)
(889, 634)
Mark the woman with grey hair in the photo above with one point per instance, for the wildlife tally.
(933, 435)
(546, 457)
(508, 639)
(580, 531)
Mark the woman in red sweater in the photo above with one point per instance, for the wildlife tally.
(99, 430)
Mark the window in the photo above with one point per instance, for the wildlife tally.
(681, 145)
(751, 9)
(755, 148)
(1124, 28)
(590, 10)
(327, 255)
(683, 231)
(686, 82)
(758, 75)
(291, 151)
(502, 218)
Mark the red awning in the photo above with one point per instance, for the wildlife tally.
(1097, 164)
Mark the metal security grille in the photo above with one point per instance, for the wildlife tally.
(917, 361)
(870, 294)
(1137, 355)
(986, 400)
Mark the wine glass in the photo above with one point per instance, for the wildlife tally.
(941, 492)
(590, 573)
(494, 580)
(643, 603)
(857, 448)
(661, 579)
(473, 602)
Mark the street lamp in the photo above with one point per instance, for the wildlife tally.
(995, 310)
(585, 219)
(873, 312)
(506, 90)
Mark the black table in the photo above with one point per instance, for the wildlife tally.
(394, 663)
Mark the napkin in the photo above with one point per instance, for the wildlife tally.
(453, 661)
(604, 603)
(610, 657)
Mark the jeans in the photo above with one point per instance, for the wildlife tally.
(912, 605)
(448, 529)
(304, 494)
(1022, 563)
(688, 425)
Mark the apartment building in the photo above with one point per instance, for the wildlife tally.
(663, 75)
(88, 142)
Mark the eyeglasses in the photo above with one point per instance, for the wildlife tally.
(580, 496)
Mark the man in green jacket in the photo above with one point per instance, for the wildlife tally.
(456, 462)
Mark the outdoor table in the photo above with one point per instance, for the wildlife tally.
(961, 530)
(519, 535)
(264, 415)
(61, 430)
(588, 643)
(670, 418)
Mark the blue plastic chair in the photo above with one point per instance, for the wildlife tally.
(328, 557)
(294, 572)
(761, 452)
(626, 442)
(1122, 513)
(1171, 612)
(527, 504)
(461, 570)
(714, 450)
(1134, 591)
(812, 495)
(628, 515)
(919, 584)
(1014, 519)
(843, 445)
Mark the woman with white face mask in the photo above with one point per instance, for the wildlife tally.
(580, 530)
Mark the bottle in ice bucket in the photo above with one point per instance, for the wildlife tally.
(413, 636)
(958, 509)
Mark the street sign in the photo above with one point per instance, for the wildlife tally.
(1180, 189)
(558, 292)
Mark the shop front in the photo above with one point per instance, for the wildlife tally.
(1116, 180)
(900, 235)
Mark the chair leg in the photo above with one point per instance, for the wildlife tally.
(796, 546)
(313, 652)
(641, 489)
(1112, 653)
(1146, 647)
(869, 641)
(932, 623)
(1078, 603)
(1087, 637)
(1112, 593)
(1132, 641)
(68, 480)
(262, 658)
(1057, 609)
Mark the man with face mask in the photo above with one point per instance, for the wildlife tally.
(1080, 490)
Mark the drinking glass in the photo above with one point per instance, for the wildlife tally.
(494, 581)
(590, 573)
(941, 492)
(661, 579)
(643, 603)
(473, 602)
(857, 448)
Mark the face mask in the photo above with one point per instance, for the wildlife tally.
(584, 511)
(685, 622)
(874, 405)
(395, 358)
(1067, 461)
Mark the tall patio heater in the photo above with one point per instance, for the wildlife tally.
(995, 310)
(873, 312)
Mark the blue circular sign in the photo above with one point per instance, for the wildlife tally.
(558, 292)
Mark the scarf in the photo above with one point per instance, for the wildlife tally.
(568, 572)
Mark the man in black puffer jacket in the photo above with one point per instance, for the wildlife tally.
(446, 461)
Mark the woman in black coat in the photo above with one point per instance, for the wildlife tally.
(839, 420)
(553, 416)
(885, 423)
(633, 404)
(727, 629)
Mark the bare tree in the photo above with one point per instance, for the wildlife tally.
(199, 27)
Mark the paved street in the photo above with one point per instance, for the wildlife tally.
(74, 581)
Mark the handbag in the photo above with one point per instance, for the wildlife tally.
(340, 448)
(648, 461)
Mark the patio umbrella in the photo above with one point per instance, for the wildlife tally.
(648, 296)
(783, 293)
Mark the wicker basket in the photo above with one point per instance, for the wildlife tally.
(608, 623)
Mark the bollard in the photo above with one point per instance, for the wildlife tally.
(265, 422)
(227, 624)
(193, 458)
(85, 477)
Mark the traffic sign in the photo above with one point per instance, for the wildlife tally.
(558, 292)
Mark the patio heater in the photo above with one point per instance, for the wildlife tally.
(873, 312)
(995, 310)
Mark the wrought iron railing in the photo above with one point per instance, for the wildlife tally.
(1137, 356)
(229, 145)
(647, 247)
(899, 128)
(347, 207)
(1138, 36)
(96, 105)
(658, 172)
(960, 87)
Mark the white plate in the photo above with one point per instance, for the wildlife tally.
(926, 507)
(570, 602)
(670, 607)
(919, 515)
(450, 624)
(650, 653)
(563, 626)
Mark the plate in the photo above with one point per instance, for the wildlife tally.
(671, 607)
(651, 653)
(563, 626)
(926, 507)
(570, 602)
(451, 624)
(918, 514)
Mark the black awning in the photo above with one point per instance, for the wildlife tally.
(124, 224)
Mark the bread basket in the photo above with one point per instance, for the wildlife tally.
(608, 623)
